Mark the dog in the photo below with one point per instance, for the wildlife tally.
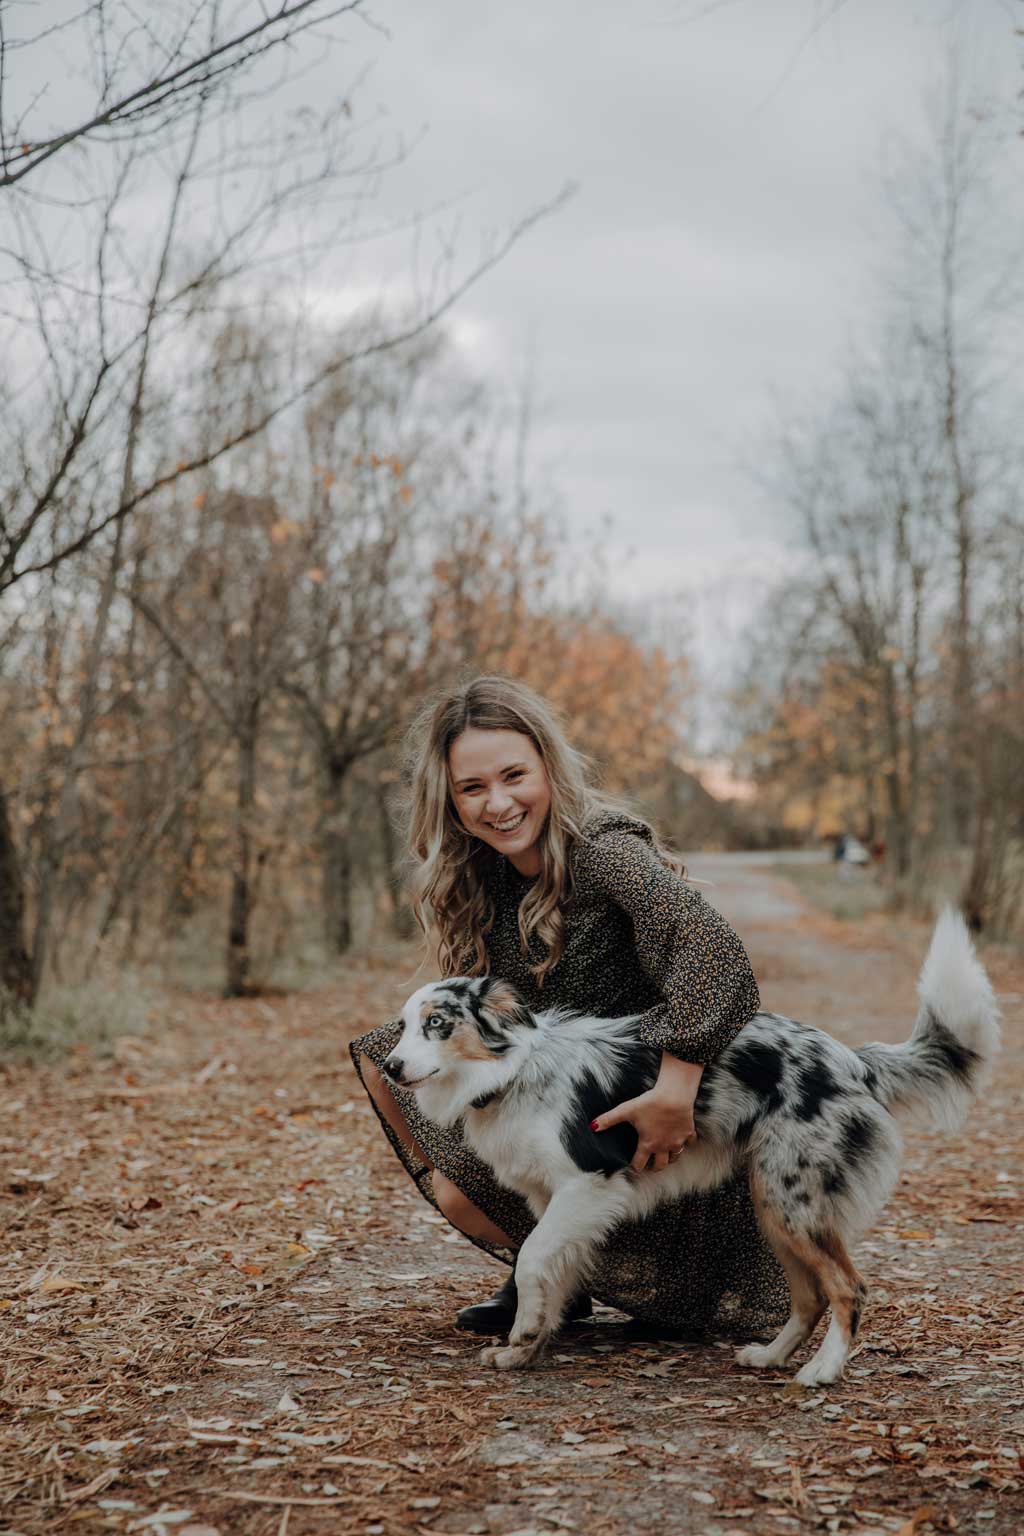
(813, 1122)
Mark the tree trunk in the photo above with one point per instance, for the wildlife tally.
(184, 833)
(898, 831)
(134, 928)
(962, 738)
(179, 902)
(337, 860)
(15, 965)
(58, 832)
(402, 921)
(962, 755)
(239, 911)
(977, 897)
(913, 662)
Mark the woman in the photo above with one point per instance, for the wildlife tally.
(528, 873)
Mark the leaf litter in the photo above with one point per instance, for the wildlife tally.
(218, 1283)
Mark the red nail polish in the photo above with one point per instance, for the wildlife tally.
(593, 1125)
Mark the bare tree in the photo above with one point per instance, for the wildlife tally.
(91, 319)
(157, 214)
(59, 826)
(378, 448)
(223, 615)
(901, 490)
(964, 302)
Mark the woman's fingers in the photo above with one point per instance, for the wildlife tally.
(616, 1116)
(661, 1136)
(651, 1159)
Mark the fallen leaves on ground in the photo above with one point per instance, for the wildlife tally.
(224, 1311)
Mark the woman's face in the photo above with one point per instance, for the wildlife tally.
(501, 792)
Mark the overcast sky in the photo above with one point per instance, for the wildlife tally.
(709, 272)
(718, 251)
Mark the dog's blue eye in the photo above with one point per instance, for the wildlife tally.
(435, 1021)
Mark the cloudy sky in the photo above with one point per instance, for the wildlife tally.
(715, 258)
(712, 266)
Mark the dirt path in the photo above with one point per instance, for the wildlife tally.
(224, 1310)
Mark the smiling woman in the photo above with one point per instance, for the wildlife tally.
(529, 875)
(501, 792)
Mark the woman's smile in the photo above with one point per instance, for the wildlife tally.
(501, 792)
(509, 824)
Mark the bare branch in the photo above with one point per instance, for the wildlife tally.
(192, 667)
(293, 397)
(178, 79)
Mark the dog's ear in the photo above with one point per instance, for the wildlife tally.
(504, 1007)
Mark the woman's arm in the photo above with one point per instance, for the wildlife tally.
(698, 964)
(694, 958)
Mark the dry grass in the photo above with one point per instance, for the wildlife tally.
(88, 1014)
(849, 896)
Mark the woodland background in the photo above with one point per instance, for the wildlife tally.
(239, 547)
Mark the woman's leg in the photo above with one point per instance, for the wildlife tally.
(460, 1211)
(384, 1099)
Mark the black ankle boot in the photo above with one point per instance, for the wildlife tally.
(495, 1315)
(498, 1312)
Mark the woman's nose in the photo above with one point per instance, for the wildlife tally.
(498, 800)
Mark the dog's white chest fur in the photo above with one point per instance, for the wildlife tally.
(533, 1164)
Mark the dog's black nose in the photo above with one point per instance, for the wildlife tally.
(394, 1066)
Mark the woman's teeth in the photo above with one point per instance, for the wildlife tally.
(509, 826)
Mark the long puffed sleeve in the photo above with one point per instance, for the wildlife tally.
(687, 949)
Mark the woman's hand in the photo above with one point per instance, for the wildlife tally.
(662, 1117)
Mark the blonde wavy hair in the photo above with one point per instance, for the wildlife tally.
(451, 891)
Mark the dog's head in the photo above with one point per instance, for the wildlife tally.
(457, 1030)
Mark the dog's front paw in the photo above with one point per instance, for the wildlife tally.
(761, 1356)
(818, 1374)
(510, 1357)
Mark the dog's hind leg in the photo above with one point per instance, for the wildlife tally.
(807, 1298)
(826, 1254)
(552, 1263)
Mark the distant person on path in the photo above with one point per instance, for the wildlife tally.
(850, 855)
(527, 873)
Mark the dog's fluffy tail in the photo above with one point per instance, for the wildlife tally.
(956, 1035)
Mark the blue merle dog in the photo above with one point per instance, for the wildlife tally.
(813, 1122)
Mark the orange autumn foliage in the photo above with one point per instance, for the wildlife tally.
(494, 609)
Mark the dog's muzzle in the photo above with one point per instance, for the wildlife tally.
(394, 1068)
